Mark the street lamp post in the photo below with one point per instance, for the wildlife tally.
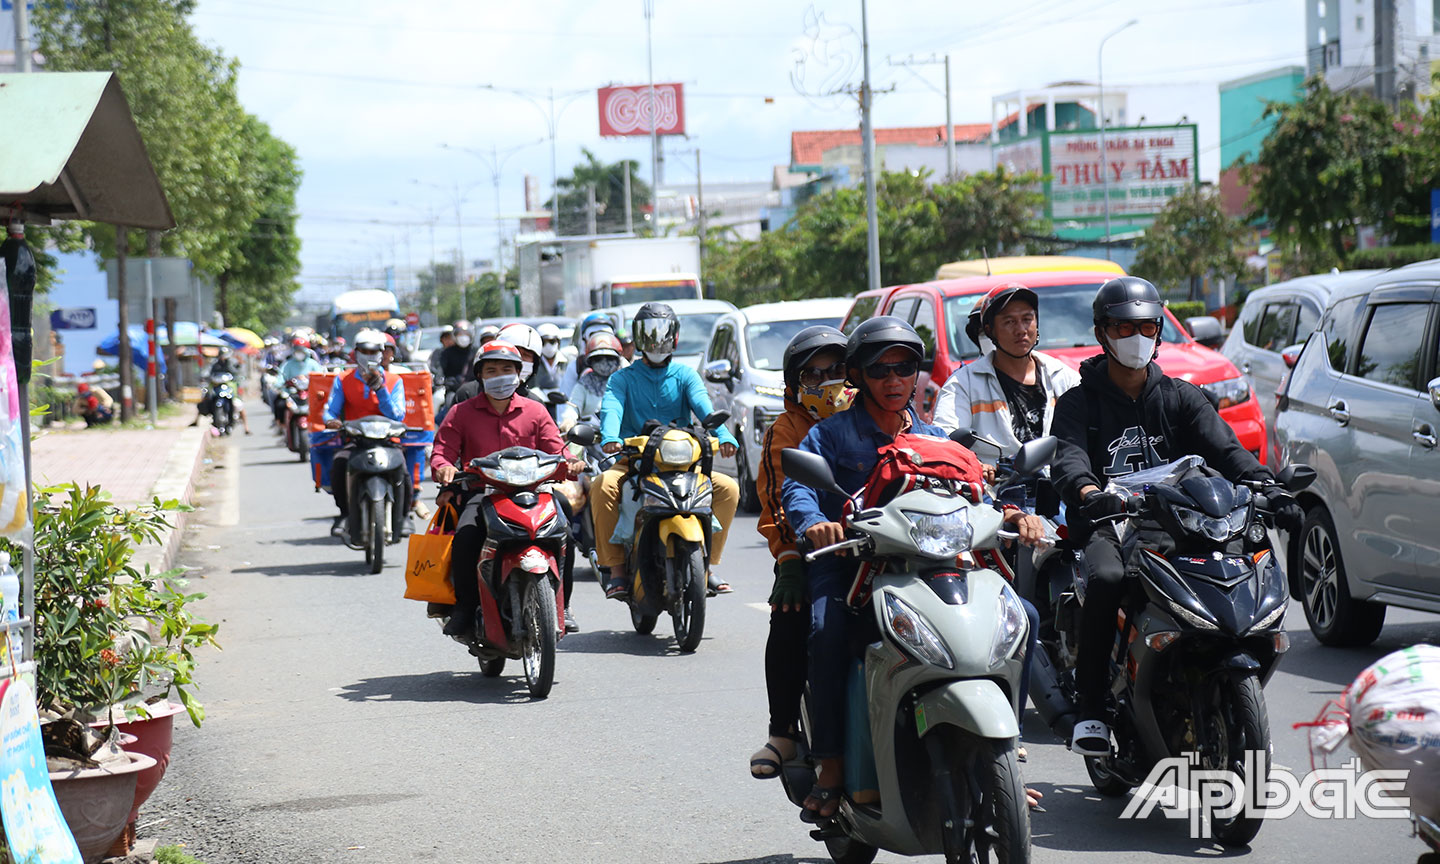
(459, 200)
(552, 119)
(496, 163)
(1104, 161)
(867, 146)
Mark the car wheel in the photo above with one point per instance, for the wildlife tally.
(1335, 617)
(749, 492)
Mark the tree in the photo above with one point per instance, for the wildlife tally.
(609, 184)
(1192, 236)
(483, 297)
(256, 289)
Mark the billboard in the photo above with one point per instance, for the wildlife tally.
(628, 111)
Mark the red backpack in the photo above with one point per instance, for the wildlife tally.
(908, 463)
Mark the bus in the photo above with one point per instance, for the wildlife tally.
(354, 311)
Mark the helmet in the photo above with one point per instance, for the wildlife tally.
(594, 320)
(447, 330)
(299, 342)
(874, 337)
(82, 387)
(496, 349)
(316, 340)
(521, 336)
(602, 344)
(486, 333)
(394, 325)
(656, 329)
(371, 340)
(461, 327)
(1000, 296)
(972, 324)
(1127, 298)
(548, 332)
(806, 344)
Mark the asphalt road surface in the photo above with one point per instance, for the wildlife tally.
(342, 726)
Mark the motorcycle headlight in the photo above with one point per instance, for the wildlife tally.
(375, 429)
(1229, 391)
(678, 451)
(912, 631)
(1010, 627)
(1216, 529)
(941, 536)
(1275, 618)
(524, 471)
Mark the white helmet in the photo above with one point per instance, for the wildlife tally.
(521, 336)
(548, 331)
(370, 340)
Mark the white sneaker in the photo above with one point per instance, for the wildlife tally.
(1091, 738)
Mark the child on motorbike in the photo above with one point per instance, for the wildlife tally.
(814, 369)
(882, 361)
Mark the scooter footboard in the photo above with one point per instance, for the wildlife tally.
(977, 705)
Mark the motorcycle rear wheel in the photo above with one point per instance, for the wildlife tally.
(644, 623)
(375, 549)
(492, 668)
(848, 850)
(537, 652)
(302, 443)
(1103, 779)
(689, 608)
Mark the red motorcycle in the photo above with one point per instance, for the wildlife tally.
(522, 599)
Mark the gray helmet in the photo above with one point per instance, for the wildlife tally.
(1127, 298)
(656, 329)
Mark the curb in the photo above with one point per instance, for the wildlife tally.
(177, 481)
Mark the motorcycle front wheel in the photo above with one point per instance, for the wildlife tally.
(689, 608)
(1005, 811)
(848, 850)
(375, 548)
(1241, 725)
(492, 668)
(538, 648)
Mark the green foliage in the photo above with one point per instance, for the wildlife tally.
(105, 632)
(1183, 309)
(609, 183)
(174, 855)
(821, 252)
(259, 285)
(1391, 256)
(483, 297)
(1192, 236)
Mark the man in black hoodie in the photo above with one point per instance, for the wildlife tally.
(1125, 416)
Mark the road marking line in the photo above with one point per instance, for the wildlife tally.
(762, 607)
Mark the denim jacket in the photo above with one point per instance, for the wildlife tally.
(850, 441)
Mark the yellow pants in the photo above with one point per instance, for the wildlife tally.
(605, 509)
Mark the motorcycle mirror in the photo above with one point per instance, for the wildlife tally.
(810, 469)
(1035, 455)
(555, 397)
(1296, 477)
(964, 436)
(582, 434)
(716, 420)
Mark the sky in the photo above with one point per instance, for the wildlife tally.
(383, 100)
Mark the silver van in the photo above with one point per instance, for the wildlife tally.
(1362, 407)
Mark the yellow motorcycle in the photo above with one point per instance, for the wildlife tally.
(668, 552)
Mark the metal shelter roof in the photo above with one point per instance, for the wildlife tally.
(72, 151)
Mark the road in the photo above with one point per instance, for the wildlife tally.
(343, 727)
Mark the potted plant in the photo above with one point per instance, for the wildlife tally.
(110, 639)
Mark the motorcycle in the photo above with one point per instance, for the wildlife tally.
(1200, 630)
(522, 595)
(940, 685)
(270, 384)
(668, 555)
(222, 402)
(582, 529)
(376, 483)
(296, 415)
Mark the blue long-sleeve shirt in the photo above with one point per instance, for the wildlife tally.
(850, 441)
(293, 368)
(641, 392)
(392, 403)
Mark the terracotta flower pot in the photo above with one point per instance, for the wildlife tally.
(96, 802)
(153, 737)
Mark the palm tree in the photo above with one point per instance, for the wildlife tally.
(609, 184)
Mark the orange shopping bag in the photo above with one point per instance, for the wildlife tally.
(427, 566)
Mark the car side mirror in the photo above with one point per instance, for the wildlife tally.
(1296, 477)
(811, 469)
(1207, 330)
(718, 372)
(715, 420)
(582, 434)
(1035, 455)
(1291, 355)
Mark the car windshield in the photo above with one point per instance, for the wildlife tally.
(429, 339)
(1065, 319)
(766, 342)
(695, 331)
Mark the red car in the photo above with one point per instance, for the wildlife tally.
(939, 310)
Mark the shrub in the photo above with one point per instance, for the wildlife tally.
(1183, 309)
(1391, 256)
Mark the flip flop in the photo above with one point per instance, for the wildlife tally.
(766, 762)
(824, 795)
(715, 585)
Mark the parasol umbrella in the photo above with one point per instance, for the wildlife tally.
(249, 337)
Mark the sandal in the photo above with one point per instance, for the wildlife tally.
(760, 760)
(822, 795)
(715, 585)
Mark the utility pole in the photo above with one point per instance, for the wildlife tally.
(122, 294)
(629, 220)
(700, 200)
(655, 157)
(932, 60)
(590, 209)
(1104, 160)
(460, 256)
(867, 133)
(1387, 88)
(22, 37)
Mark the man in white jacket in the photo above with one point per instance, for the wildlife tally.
(1009, 393)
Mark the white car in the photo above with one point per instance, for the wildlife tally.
(743, 368)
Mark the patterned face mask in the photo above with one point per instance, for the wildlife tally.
(827, 399)
(605, 366)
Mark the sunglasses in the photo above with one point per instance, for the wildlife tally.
(812, 377)
(1126, 329)
(881, 371)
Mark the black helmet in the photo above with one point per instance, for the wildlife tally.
(1002, 294)
(1127, 298)
(874, 337)
(656, 329)
(805, 345)
(972, 324)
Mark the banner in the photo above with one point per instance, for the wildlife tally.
(34, 828)
(628, 111)
(73, 319)
(1147, 166)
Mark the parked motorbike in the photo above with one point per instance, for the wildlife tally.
(376, 483)
(1200, 631)
(222, 402)
(940, 685)
(296, 415)
(522, 597)
(668, 556)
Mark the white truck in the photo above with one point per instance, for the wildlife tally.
(633, 270)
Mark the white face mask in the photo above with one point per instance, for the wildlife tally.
(1134, 351)
(657, 357)
(463, 341)
(525, 369)
(549, 349)
(297, 354)
(502, 386)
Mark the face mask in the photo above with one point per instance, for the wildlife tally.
(462, 341)
(1134, 351)
(525, 369)
(827, 399)
(549, 349)
(297, 354)
(659, 358)
(605, 366)
(502, 386)
(365, 361)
